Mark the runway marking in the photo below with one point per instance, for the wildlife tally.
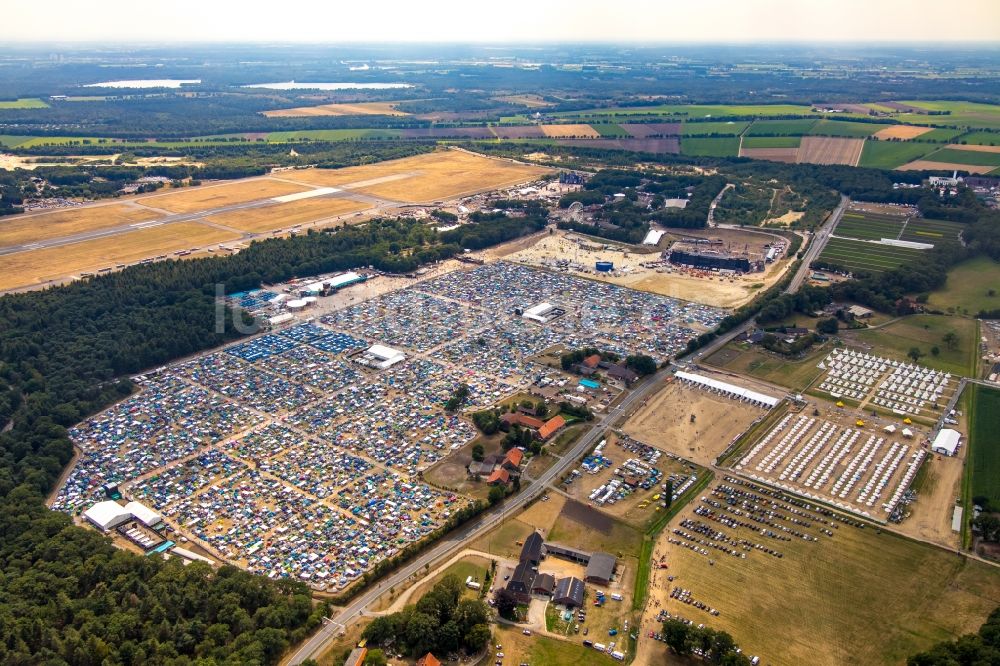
(145, 225)
(308, 194)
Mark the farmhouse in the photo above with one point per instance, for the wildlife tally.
(946, 442)
(859, 312)
(532, 550)
(544, 584)
(551, 427)
(600, 569)
(569, 592)
(522, 580)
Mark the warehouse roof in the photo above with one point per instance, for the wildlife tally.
(601, 567)
(569, 591)
(107, 515)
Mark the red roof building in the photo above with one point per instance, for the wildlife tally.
(592, 361)
(428, 660)
(551, 427)
(500, 476)
(514, 457)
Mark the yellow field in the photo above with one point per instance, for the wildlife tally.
(37, 266)
(531, 101)
(439, 175)
(284, 215)
(570, 131)
(206, 197)
(21, 229)
(929, 165)
(974, 148)
(362, 109)
(903, 132)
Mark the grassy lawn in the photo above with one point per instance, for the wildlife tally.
(10, 141)
(924, 332)
(771, 141)
(892, 154)
(983, 460)
(968, 287)
(714, 147)
(544, 651)
(24, 103)
(859, 597)
(746, 359)
(622, 540)
(474, 566)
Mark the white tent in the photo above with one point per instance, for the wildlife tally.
(143, 514)
(946, 442)
(107, 515)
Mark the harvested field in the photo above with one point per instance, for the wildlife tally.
(284, 215)
(830, 150)
(667, 145)
(439, 175)
(21, 229)
(901, 132)
(22, 269)
(930, 165)
(974, 148)
(518, 132)
(446, 133)
(572, 131)
(362, 109)
(789, 155)
(531, 101)
(207, 197)
(665, 421)
(646, 130)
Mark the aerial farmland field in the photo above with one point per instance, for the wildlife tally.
(361, 109)
(23, 103)
(864, 256)
(571, 131)
(938, 232)
(844, 128)
(771, 141)
(901, 132)
(981, 138)
(869, 226)
(711, 147)
(966, 157)
(781, 127)
(729, 127)
(830, 150)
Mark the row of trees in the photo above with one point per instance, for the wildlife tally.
(715, 647)
(979, 649)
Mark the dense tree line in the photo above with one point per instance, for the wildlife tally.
(715, 647)
(979, 649)
(486, 229)
(441, 622)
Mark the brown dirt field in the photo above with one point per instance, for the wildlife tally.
(932, 512)
(789, 155)
(21, 229)
(439, 175)
(830, 150)
(646, 130)
(974, 148)
(284, 215)
(362, 109)
(929, 165)
(206, 197)
(904, 132)
(717, 422)
(543, 514)
(579, 131)
(27, 268)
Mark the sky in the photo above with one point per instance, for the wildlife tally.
(339, 21)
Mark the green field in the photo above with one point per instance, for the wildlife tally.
(716, 147)
(9, 141)
(845, 128)
(982, 463)
(892, 154)
(939, 135)
(610, 130)
(700, 129)
(980, 138)
(968, 286)
(967, 114)
(698, 110)
(771, 141)
(27, 103)
(747, 359)
(938, 232)
(924, 332)
(955, 156)
(332, 135)
(866, 226)
(781, 127)
(857, 256)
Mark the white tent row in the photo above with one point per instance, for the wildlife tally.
(737, 391)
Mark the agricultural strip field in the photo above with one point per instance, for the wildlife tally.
(859, 597)
(856, 255)
(284, 215)
(728, 128)
(518, 132)
(22, 229)
(446, 133)
(975, 148)
(938, 232)
(610, 130)
(941, 134)
(438, 175)
(844, 128)
(332, 135)
(829, 150)
(11, 141)
(781, 127)
(969, 114)
(698, 110)
(24, 103)
(978, 138)
(869, 226)
(983, 459)
(712, 147)
(362, 109)
(901, 132)
(644, 130)
(23, 269)
(205, 197)
(669, 144)
(974, 157)
(892, 154)
(934, 165)
(968, 287)
(771, 142)
(787, 155)
(923, 332)
(579, 131)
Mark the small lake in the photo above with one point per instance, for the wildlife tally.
(292, 85)
(144, 83)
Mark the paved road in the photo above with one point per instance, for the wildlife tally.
(326, 634)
